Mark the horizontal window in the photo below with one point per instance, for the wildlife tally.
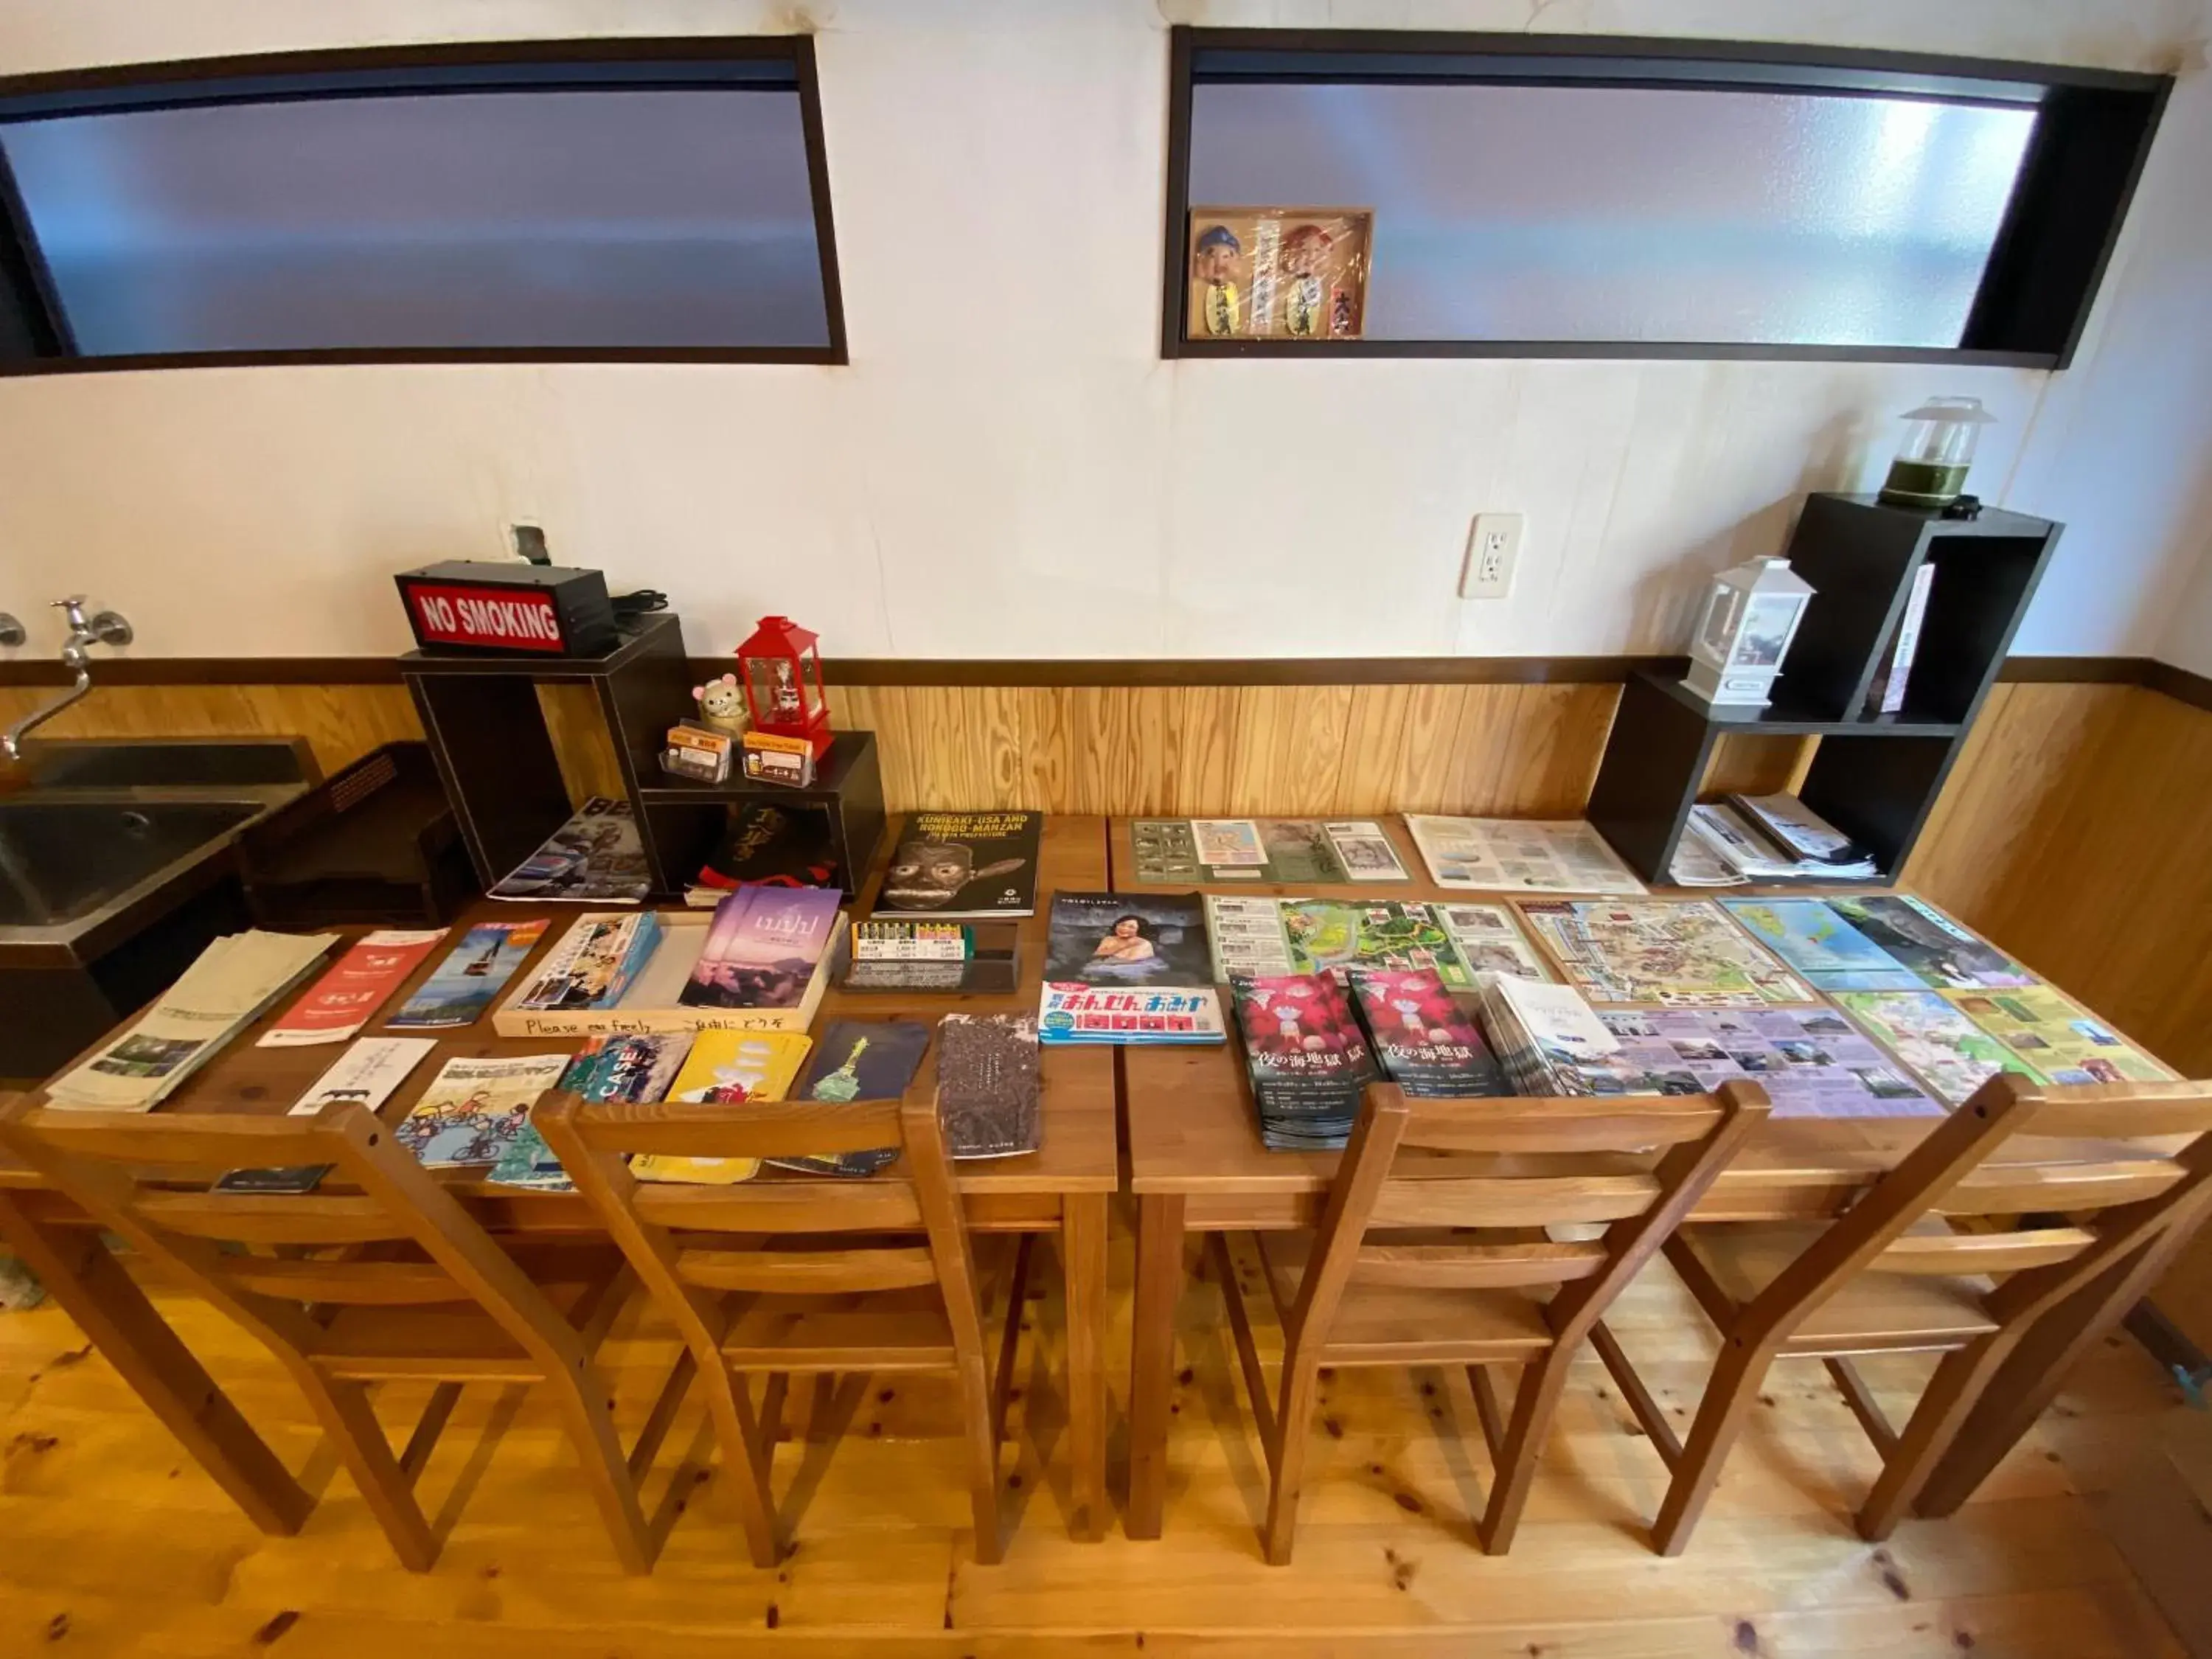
(1403, 195)
(553, 206)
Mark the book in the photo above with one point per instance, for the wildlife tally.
(1916, 936)
(593, 964)
(1552, 1043)
(1516, 854)
(1885, 694)
(474, 1109)
(764, 948)
(358, 983)
(1305, 1055)
(2055, 1037)
(1338, 936)
(859, 1059)
(988, 1092)
(1128, 939)
(1936, 1043)
(366, 1074)
(1817, 942)
(231, 984)
(1812, 1062)
(728, 1066)
(595, 857)
(473, 973)
(1490, 941)
(767, 845)
(1422, 1035)
(1087, 1014)
(964, 866)
(1681, 953)
(631, 1068)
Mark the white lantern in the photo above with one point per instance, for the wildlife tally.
(1750, 615)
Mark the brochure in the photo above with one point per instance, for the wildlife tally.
(1279, 852)
(1128, 939)
(360, 982)
(1940, 1045)
(474, 1109)
(1681, 953)
(1307, 1058)
(727, 1066)
(1490, 941)
(859, 1059)
(1812, 1062)
(594, 963)
(1365, 851)
(2055, 1037)
(1521, 855)
(1337, 935)
(988, 1093)
(1812, 938)
(609, 1068)
(596, 857)
(472, 974)
(764, 947)
(1425, 1036)
(1918, 936)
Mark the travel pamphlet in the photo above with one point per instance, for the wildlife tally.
(1490, 941)
(973, 866)
(628, 1068)
(1938, 1043)
(230, 985)
(360, 982)
(1683, 954)
(1337, 935)
(763, 948)
(596, 857)
(1306, 1056)
(859, 1059)
(366, 1074)
(473, 974)
(1812, 1062)
(1365, 851)
(1816, 941)
(593, 964)
(2055, 1037)
(726, 1067)
(1551, 1043)
(474, 1109)
(1424, 1035)
(988, 1092)
(1521, 855)
(1283, 852)
(1919, 937)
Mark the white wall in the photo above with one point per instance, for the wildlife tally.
(1006, 468)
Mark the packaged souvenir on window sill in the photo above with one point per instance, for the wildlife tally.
(1272, 273)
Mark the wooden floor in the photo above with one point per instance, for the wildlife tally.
(111, 1543)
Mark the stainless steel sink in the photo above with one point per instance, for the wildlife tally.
(61, 860)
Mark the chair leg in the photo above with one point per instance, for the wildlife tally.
(1728, 1393)
(742, 1457)
(349, 1420)
(1293, 1433)
(979, 1422)
(1535, 1404)
(1010, 1338)
(583, 1402)
(1951, 1396)
(771, 1415)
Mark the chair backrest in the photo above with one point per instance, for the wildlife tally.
(1637, 1164)
(691, 1245)
(339, 1247)
(2136, 1159)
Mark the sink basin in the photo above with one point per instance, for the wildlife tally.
(62, 860)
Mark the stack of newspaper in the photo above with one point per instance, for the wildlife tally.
(233, 983)
(1552, 1044)
(1749, 838)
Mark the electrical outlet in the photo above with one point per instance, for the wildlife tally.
(1493, 547)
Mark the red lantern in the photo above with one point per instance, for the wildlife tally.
(782, 667)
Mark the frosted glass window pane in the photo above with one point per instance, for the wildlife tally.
(1633, 214)
(545, 219)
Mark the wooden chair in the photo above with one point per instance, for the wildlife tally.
(769, 1278)
(392, 1279)
(1432, 1249)
(1892, 1275)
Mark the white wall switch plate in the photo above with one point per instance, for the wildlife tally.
(1493, 548)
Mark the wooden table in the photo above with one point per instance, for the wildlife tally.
(1064, 1188)
(1196, 1166)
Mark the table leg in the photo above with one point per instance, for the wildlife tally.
(1083, 1260)
(2031, 1379)
(82, 1275)
(1151, 1381)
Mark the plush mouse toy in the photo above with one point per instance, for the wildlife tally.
(722, 704)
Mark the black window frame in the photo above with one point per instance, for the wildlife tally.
(32, 320)
(2051, 252)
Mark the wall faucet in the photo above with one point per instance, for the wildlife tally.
(104, 628)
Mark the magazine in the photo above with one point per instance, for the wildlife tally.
(2055, 1037)
(1938, 1044)
(366, 1074)
(629, 1068)
(474, 1109)
(988, 1093)
(726, 1067)
(594, 963)
(859, 1059)
(230, 985)
(1681, 953)
(1426, 1040)
(1307, 1058)
(1128, 939)
(472, 974)
(1812, 1062)
(974, 866)
(1940, 952)
(763, 948)
(1813, 939)
(595, 857)
(1521, 855)
(1339, 935)
(1489, 940)
(360, 983)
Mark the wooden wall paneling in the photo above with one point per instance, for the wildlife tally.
(1423, 747)
(582, 743)
(1472, 758)
(1202, 741)
(1374, 742)
(1754, 764)
(1288, 744)
(1558, 738)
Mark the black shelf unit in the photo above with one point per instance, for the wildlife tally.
(1875, 777)
(847, 790)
